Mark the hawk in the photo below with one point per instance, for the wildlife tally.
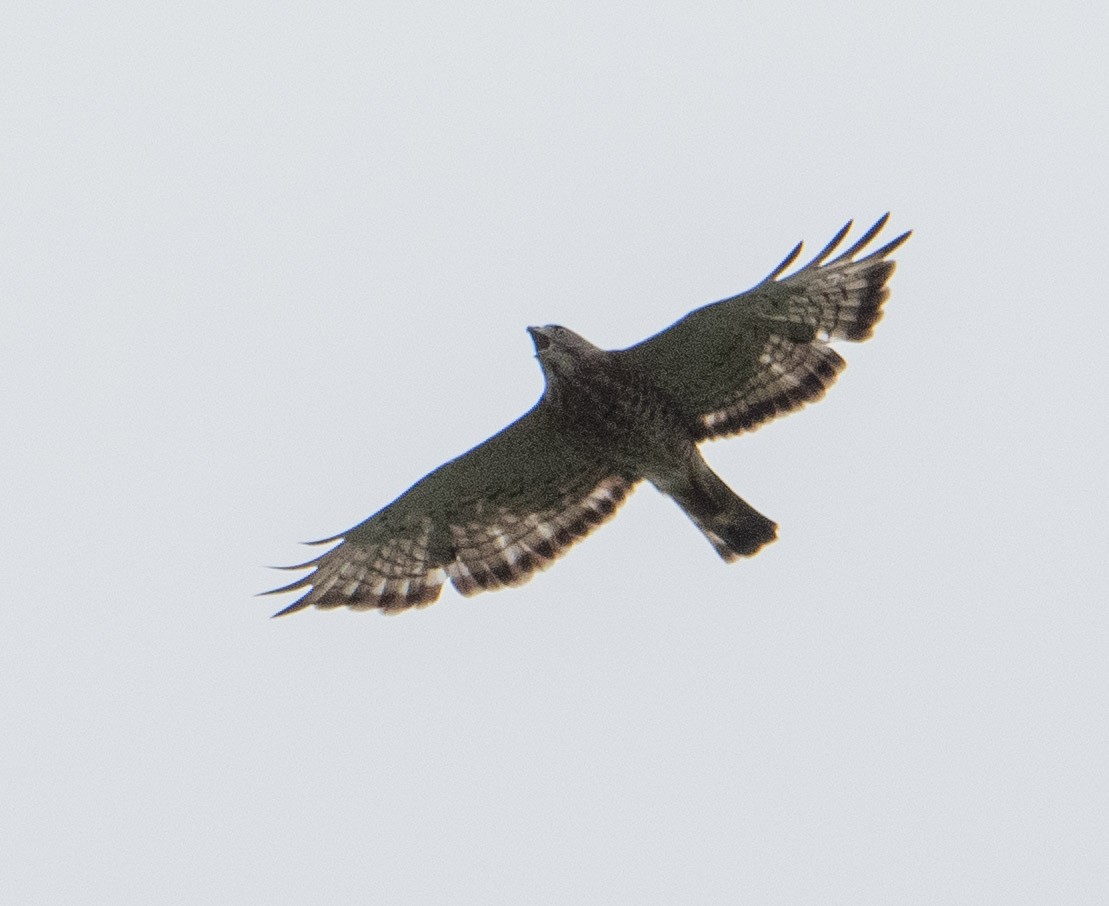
(608, 420)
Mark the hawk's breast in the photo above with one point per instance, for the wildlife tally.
(617, 412)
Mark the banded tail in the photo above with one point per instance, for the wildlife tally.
(734, 527)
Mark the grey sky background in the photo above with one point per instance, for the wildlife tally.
(263, 267)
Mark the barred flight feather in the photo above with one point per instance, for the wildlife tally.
(794, 374)
(496, 550)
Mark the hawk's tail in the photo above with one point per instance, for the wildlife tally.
(734, 527)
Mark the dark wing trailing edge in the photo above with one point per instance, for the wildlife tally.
(742, 361)
(489, 519)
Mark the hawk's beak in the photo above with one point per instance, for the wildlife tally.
(540, 339)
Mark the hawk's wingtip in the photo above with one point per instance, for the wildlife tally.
(786, 262)
(338, 537)
(284, 613)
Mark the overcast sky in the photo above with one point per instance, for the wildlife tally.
(262, 267)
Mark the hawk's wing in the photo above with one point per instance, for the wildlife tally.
(737, 363)
(487, 519)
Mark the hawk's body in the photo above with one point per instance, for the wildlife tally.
(603, 402)
(608, 420)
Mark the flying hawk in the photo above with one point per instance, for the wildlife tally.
(607, 420)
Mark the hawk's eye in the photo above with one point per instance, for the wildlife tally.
(541, 342)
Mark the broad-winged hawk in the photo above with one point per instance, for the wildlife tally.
(608, 420)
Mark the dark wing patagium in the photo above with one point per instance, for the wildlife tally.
(486, 520)
(737, 363)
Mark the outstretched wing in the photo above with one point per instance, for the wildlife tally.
(486, 520)
(737, 363)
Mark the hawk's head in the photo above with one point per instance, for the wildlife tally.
(561, 351)
(558, 347)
